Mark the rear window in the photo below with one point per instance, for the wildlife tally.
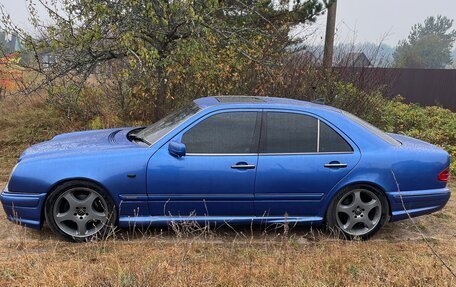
(378, 132)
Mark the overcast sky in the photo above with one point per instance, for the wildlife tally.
(390, 20)
(357, 20)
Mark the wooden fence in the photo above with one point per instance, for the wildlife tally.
(424, 86)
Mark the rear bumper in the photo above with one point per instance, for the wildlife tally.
(417, 203)
(23, 208)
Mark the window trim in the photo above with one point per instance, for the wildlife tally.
(264, 124)
(220, 154)
(318, 135)
(259, 126)
(308, 153)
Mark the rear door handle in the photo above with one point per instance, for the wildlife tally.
(243, 165)
(335, 165)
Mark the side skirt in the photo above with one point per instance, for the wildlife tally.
(128, 222)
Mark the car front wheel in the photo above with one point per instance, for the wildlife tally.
(358, 212)
(80, 211)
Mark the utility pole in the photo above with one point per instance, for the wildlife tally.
(329, 37)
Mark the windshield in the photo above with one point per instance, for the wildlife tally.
(378, 132)
(156, 131)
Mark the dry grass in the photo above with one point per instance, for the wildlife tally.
(397, 256)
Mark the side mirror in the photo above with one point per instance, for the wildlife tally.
(176, 149)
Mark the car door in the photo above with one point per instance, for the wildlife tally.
(216, 176)
(301, 158)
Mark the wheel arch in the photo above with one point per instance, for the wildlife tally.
(67, 180)
(365, 184)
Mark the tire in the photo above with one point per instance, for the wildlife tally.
(357, 212)
(80, 211)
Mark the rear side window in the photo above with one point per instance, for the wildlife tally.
(331, 141)
(297, 133)
(225, 133)
(289, 133)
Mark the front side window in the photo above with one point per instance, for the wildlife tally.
(297, 133)
(225, 133)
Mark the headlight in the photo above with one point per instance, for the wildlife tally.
(11, 175)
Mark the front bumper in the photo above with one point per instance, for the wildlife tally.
(417, 203)
(23, 208)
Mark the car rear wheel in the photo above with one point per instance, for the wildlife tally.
(358, 212)
(80, 211)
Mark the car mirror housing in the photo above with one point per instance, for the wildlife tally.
(177, 149)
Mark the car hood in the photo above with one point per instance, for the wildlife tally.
(82, 142)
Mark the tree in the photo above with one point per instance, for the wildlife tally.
(148, 40)
(428, 45)
(10, 74)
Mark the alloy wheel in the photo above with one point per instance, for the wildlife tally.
(358, 212)
(80, 212)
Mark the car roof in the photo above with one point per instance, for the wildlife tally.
(258, 102)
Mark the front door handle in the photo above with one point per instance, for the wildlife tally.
(243, 165)
(335, 165)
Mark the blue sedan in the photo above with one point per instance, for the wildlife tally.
(230, 159)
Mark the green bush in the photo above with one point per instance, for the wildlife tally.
(367, 105)
(432, 124)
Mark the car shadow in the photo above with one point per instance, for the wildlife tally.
(393, 231)
(257, 233)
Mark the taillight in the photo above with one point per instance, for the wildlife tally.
(444, 175)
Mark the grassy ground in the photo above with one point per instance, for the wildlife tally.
(244, 256)
(397, 256)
